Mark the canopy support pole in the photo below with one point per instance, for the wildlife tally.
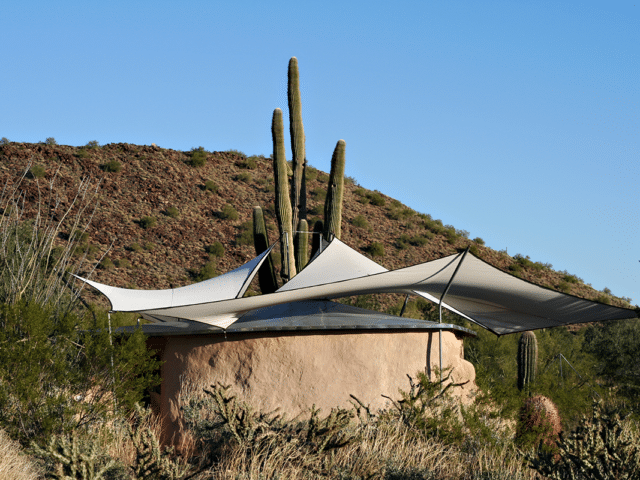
(440, 307)
(404, 305)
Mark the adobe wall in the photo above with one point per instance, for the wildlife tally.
(293, 370)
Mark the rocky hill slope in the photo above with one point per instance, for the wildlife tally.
(159, 212)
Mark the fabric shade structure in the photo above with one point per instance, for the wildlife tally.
(478, 292)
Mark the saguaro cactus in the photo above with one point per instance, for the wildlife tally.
(266, 274)
(527, 359)
(283, 202)
(302, 244)
(316, 238)
(335, 190)
(296, 129)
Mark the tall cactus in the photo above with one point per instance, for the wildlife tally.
(302, 244)
(296, 129)
(266, 274)
(316, 238)
(335, 190)
(527, 360)
(283, 202)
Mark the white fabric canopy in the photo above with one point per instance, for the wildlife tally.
(479, 292)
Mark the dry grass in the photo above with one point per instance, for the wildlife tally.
(14, 464)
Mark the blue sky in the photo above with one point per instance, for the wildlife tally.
(518, 123)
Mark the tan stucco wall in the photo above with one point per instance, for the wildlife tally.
(293, 371)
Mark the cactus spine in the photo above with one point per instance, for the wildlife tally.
(302, 244)
(266, 274)
(335, 190)
(296, 129)
(283, 202)
(527, 360)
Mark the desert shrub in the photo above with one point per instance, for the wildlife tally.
(376, 198)
(310, 173)
(50, 141)
(249, 162)
(350, 180)
(233, 151)
(149, 246)
(197, 157)
(361, 192)
(53, 360)
(317, 209)
(452, 236)
(360, 221)
(37, 171)
(122, 263)
(148, 222)
(210, 186)
(82, 153)
(564, 287)
(319, 193)
(216, 249)
(479, 241)
(172, 212)
(473, 249)
(376, 249)
(207, 271)
(135, 247)
(244, 177)
(245, 236)
(4, 141)
(92, 144)
(602, 298)
(112, 166)
(106, 264)
(570, 278)
(616, 345)
(228, 213)
(15, 464)
(606, 291)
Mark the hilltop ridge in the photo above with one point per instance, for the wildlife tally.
(161, 210)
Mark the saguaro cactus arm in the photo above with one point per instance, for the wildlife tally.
(335, 191)
(296, 129)
(283, 203)
(266, 274)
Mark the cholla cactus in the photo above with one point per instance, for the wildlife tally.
(603, 447)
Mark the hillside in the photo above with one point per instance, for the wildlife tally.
(190, 214)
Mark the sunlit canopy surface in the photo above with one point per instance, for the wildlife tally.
(479, 292)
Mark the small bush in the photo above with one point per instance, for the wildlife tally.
(479, 241)
(106, 264)
(602, 298)
(310, 173)
(122, 263)
(4, 141)
(246, 234)
(135, 247)
(376, 249)
(82, 153)
(148, 222)
(606, 290)
(319, 193)
(207, 271)
(360, 221)
(198, 157)
(361, 192)
(244, 177)
(570, 279)
(209, 186)
(228, 213)
(112, 166)
(37, 171)
(317, 209)
(564, 287)
(92, 144)
(50, 141)
(250, 163)
(236, 152)
(149, 247)
(172, 212)
(376, 198)
(216, 249)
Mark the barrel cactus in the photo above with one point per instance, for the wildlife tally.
(539, 422)
(527, 360)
